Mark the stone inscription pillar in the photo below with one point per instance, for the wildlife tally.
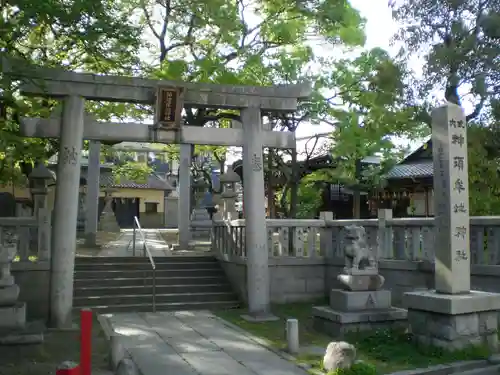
(451, 201)
(453, 316)
(184, 196)
(255, 215)
(65, 212)
(92, 199)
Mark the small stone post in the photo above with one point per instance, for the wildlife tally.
(292, 336)
(452, 316)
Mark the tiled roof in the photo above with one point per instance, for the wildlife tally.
(154, 182)
(413, 170)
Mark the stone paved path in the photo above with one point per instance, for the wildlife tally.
(123, 246)
(192, 343)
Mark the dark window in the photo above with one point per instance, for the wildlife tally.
(151, 207)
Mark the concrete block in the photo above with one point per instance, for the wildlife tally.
(454, 331)
(418, 322)
(343, 300)
(13, 316)
(294, 285)
(314, 285)
(453, 327)
(491, 341)
(339, 328)
(474, 301)
(488, 322)
(342, 317)
(127, 367)
(360, 282)
(9, 295)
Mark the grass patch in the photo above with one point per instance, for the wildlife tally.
(58, 346)
(31, 258)
(384, 350)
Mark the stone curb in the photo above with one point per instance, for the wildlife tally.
(445, 369)
(260, 341)
(117, 351)
(106, 327)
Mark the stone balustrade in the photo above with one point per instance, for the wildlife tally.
(395, 238)
(21, 230)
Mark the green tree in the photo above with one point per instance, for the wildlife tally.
(369, 111)
(366, 107)
(484, 167)
(243, 42)
(88, 35)
(459, 43)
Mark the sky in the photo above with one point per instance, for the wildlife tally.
(380, 28)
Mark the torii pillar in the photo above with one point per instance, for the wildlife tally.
(92, 198)
(255, 217)
(66, 212)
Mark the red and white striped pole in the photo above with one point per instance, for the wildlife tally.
(85, 365)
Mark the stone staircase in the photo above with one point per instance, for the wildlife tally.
(125, 284)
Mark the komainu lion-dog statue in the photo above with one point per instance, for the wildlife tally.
(356, 250)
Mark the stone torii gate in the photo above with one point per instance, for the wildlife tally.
(170, 97)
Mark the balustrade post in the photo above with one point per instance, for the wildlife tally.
(385, 249)
(44, 229)
(216, 218)
(326, 233)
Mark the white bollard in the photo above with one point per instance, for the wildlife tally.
(292, 335)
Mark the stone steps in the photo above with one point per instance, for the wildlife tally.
(136, 290)
(140, 281)
(125, 284)
(178, 306)
(147, 266)
(145, 260)
(110, 272)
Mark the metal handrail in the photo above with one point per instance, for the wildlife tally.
(145, 250)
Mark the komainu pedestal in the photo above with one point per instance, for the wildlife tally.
(454, 321)
(13, 327)
(362, 304)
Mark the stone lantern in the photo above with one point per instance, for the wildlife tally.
(228, 181)
(107, 221)
(41, 176)
(200, 212)
(199, 189)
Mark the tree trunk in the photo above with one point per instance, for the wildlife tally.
(294, 186)
(356, 199)
(270, 185)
